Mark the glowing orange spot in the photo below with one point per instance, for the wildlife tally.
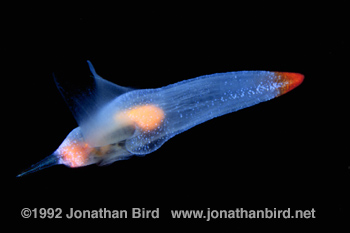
(288, 81)
(147, 117)
(75, 154)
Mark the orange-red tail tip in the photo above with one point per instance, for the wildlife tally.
(288, 81)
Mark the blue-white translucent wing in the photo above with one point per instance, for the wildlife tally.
(86, 97)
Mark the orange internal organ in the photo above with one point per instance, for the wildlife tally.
(76, 154)
(147, 117)
(288, 81)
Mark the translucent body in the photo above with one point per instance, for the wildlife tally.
(116, 122)
(191, 102)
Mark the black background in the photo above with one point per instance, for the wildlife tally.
(285, 152)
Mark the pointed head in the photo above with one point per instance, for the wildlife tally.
(74, 151)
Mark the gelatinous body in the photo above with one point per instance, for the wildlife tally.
(116, 122)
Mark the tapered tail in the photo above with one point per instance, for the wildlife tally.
(47, 162)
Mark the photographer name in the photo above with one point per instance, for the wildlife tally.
(112, 214)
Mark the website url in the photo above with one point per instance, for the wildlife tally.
(267, 213)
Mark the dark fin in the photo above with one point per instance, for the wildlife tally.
(49, 161)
